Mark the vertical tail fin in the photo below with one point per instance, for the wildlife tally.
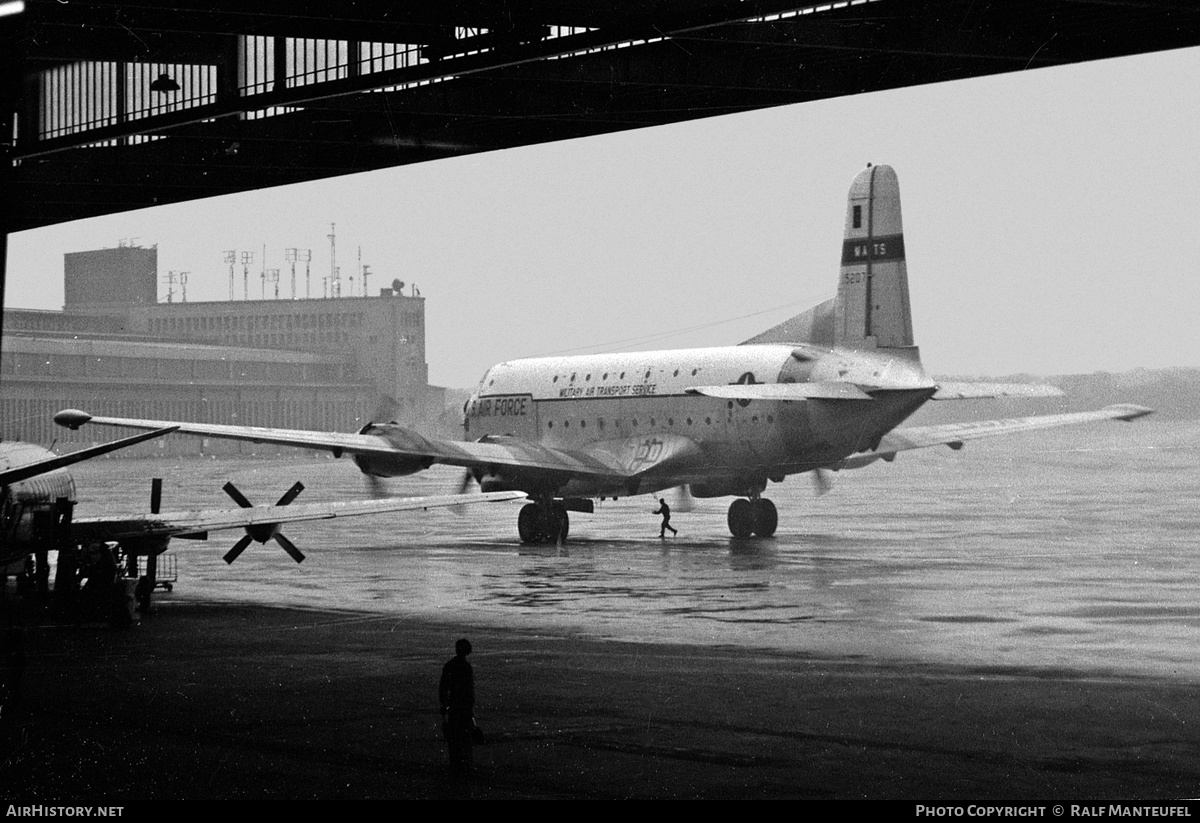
(872, 303)
(871, 308)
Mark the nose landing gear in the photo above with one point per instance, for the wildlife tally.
(757, 516)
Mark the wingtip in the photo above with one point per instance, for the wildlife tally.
(72, 418)
(1129, 411)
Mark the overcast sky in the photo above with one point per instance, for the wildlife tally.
(1050, 218)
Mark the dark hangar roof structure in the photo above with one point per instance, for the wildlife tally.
(110, 106)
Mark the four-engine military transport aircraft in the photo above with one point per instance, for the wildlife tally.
(823, 391)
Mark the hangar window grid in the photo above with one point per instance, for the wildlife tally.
(80, 97)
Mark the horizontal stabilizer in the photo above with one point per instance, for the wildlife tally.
(783, 391)
(980, 391)
(954, 434)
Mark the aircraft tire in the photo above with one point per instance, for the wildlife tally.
(766, 517)
(529, 523)
(741, 518)
(561, 523)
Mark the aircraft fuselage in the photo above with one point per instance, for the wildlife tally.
(641, 401)
(28, 508)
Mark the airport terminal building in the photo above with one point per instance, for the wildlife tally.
(326, 363)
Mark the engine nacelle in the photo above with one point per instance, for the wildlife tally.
(387, 465)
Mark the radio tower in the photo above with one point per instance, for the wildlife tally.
(335, 286)
(247, 259)
(231, 259)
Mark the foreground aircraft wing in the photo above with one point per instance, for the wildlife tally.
(260, 522)
(955, 434)
(617, 459)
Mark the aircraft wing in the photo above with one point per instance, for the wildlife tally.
(196, 524)
(616, 459)
(955, 434)
(17, 473)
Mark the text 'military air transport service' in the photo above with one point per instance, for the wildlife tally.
(823, 391)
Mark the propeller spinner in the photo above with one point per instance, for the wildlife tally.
(262, 532)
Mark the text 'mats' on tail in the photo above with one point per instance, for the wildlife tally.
(871, 309)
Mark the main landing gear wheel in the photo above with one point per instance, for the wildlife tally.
(539, 523)
(747, 517)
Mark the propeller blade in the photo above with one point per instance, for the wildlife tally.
(155, 495)
(238, 548)
(463, 486)
(822, 482)
(386, 410)
(237, 496)
(289, 547)
(682, 500)
(290, 494)
(375, 486)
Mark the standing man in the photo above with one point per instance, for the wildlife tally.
(456, 696)
(665, 511)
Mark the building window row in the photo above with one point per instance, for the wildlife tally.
(28, 364)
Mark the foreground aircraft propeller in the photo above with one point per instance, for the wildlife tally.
(263, 531)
